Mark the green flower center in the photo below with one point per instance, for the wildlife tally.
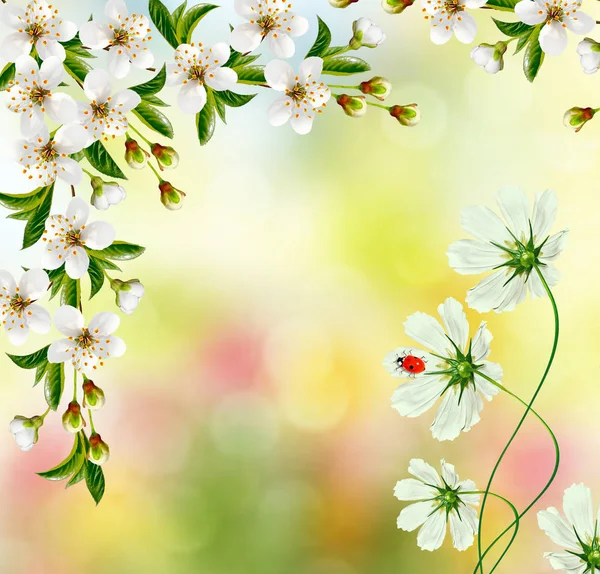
(297, 93)
(196, 73)
(593, 558)
(527, 259)
(447, 499)
(465, 370)
(48, 153)
(121, 38)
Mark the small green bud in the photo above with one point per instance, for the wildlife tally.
(135, 156)
(93, 396)
(353, 106)
(377, 87)
(407, 115)
(342, 3)
(166, 156)
(576, 118)
(106, 193)
(170, 197)
(72, 419)
(396, 6)
(128, 293)
(99, 451)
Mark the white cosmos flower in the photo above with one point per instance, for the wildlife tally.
(85, 347)
(558, 15)
(44, 158)
(38, 25)
(449, 17)
(270, 20)
(32, 94)
(510, 248)
(105, 115)
(195, 67)
(67, 236)
(304, 95)
(579, 534)
(437, 501)
(124, 36)
(449, 369)
(18, 309)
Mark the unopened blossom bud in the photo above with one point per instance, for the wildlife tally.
(407, 115)
(128, 293)
(489, 57)
(342, 3)
(576, 118)
(396, 6)
(25, 431)
(353, 106)
(166, 156)
(99, 451)
(72, 420)
(377, 87)
(589, 55)
(106, 193)
(93, 396)
(170, 197)
(366, 34)
(135, 156)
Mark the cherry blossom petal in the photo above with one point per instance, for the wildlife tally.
(104, 324)
(61, 351)
(116, 10)
(61, 108)
(221, 78)
(34, 284)
(246, 37)
(69, 321)
(38, 319)
(311, 69)
(97, 86)
(17, 329)
(530, 12)
(279, 75)
(98, 235)
(192, 97)
(440, 33)
(118, 63)
(49, 47)
(553, 39)
(280, 111)
(77, 262)
(581, 24)
(70, 139)
(15, 45)
(95, 35)
(281, 45)
(465, 28)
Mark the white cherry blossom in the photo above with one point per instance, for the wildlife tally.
(33, 93)
(105, 116)
(39, 26)
(270, 20)
(19, 310)
(124, 36)
(66, 238)
(558, 16)
(196, 67)
(449, 17)
(86, 348)
(44, 158)
(305, 95)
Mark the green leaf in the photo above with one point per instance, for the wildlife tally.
(232, 99)
(54, 384)
(534, 56)
(20, 215)
(333, 51)
(344, 66)
(322, 42)
(94, 479)
(96, 273)
(154, 119)
(102, 161)
(104, 263)
(76, 48)
(121, 251)
(40, 372)
(178, 12)
(504, 5)
(71, 292)
(71, 465)
(154, 101)
(56, 277)
(513, 29)
(206, 120)
(77, 68)
(164, 22)
(7, 75)
(32, 361)
(78, 476)
(252, 74)
(153, 86)
(23, 201)
(37, 222)
(238, 60)
(221, 109)
(187, 23)
(522, 42)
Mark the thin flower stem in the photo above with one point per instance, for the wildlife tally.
(139, 133)
(45, 414)
(155, 172)
(74, 384)
(377, 105)
(89, 174)
(91, 421)
(343, 87)
(516, 431)
(253, 83)
(555, 470)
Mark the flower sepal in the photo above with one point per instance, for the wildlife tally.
(171, 197)
(93, 396)
(99, 452)
(166, 156)
(72, 419)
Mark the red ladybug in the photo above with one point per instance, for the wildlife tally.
(412, 364)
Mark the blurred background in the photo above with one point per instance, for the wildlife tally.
(250, 421)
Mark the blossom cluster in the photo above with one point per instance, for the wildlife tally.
(67, 141)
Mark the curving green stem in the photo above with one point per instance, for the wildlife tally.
(516, 431)
(555, 470)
